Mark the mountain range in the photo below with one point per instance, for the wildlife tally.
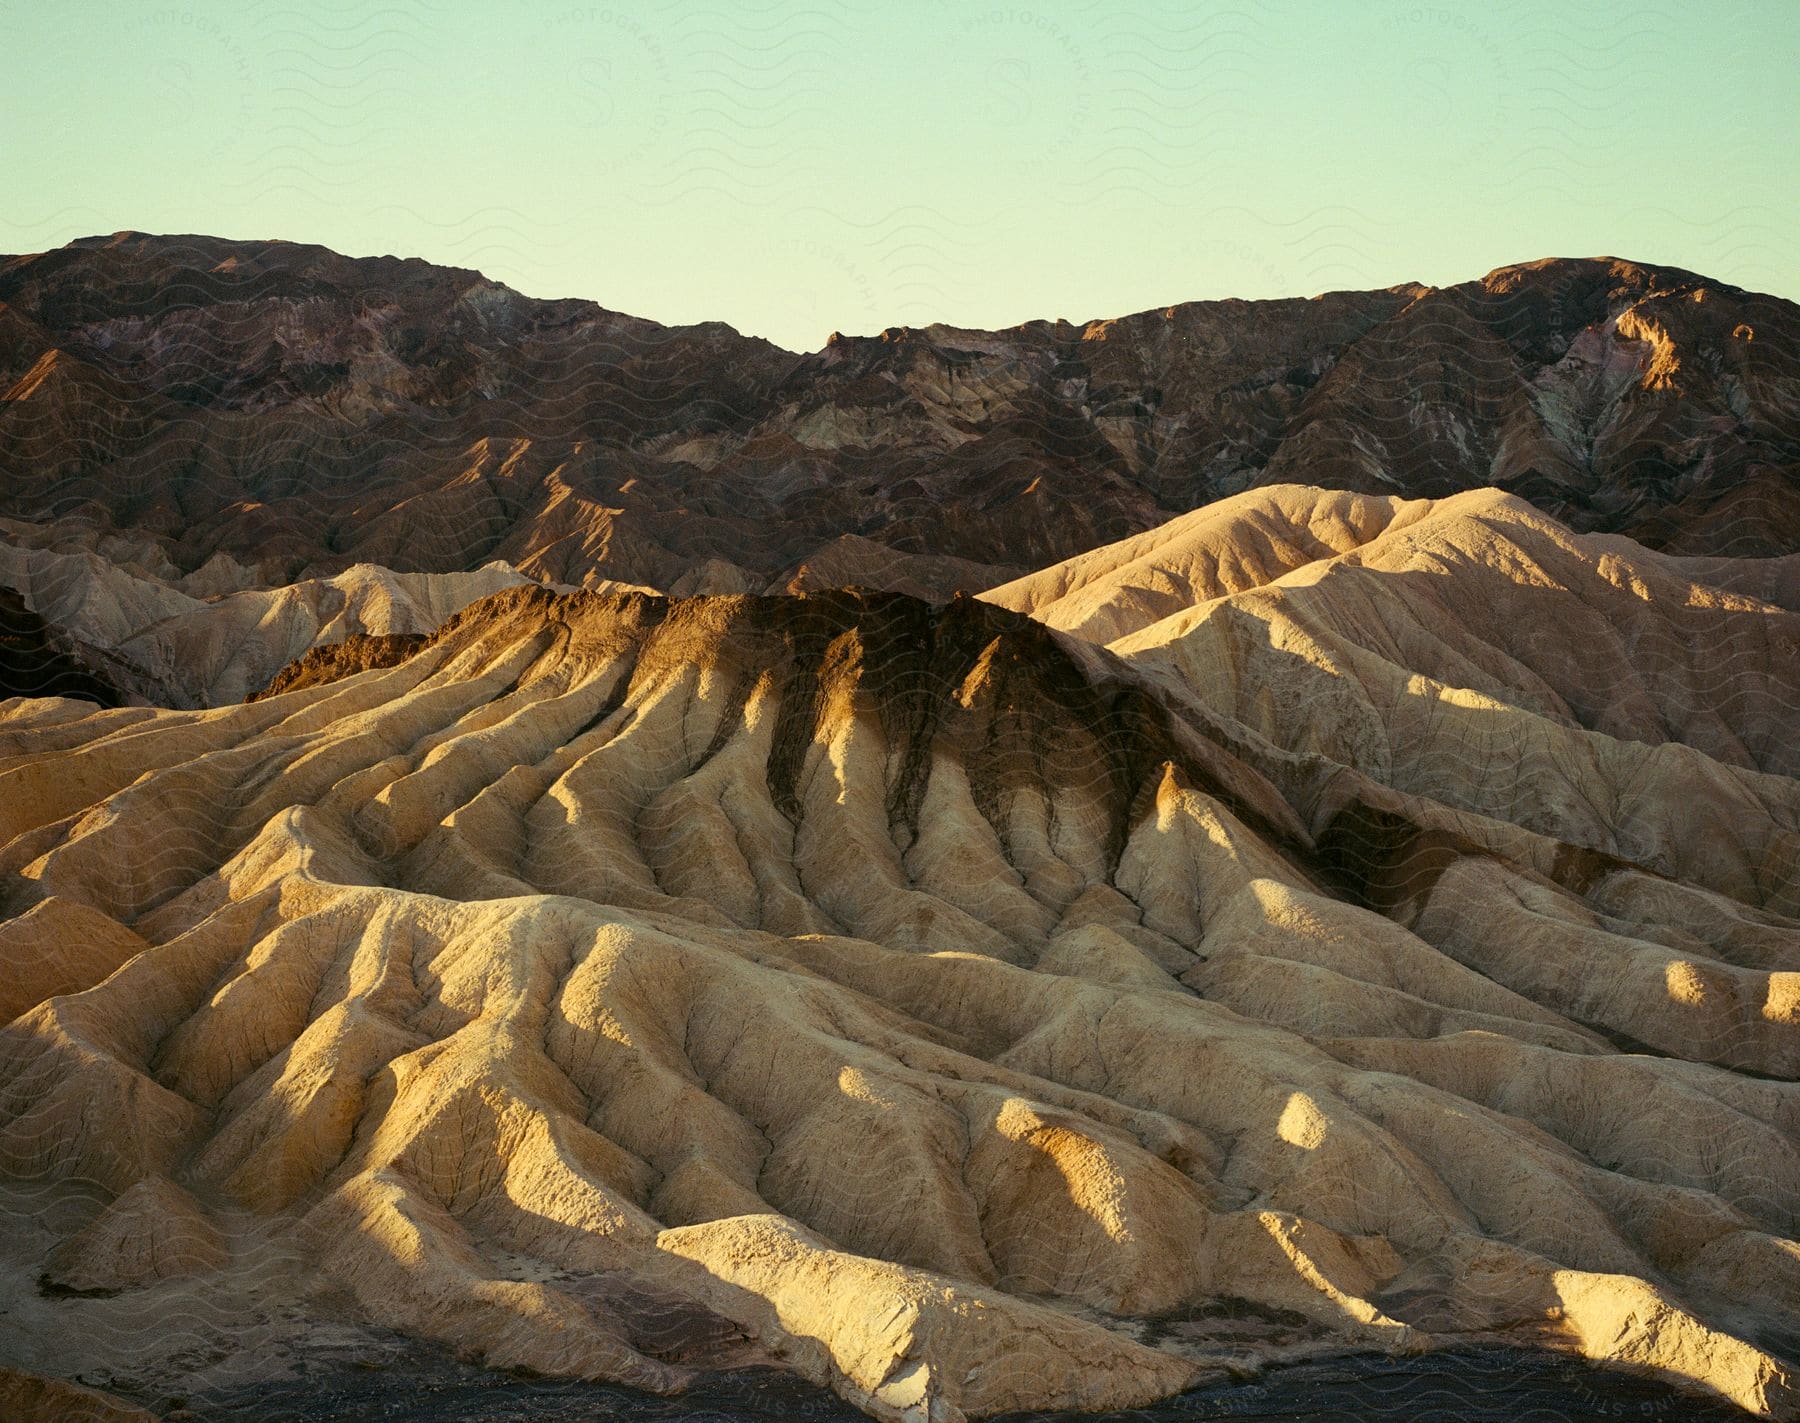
(302, 411)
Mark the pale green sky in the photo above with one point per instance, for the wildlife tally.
(795, 168)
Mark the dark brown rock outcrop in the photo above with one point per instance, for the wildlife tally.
(330, 661)
(308, 410)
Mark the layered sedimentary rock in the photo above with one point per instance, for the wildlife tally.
(300, 412)
(942, 1004)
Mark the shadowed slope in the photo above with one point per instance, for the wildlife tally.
(38, 660)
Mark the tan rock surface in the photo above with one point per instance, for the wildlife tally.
(154, 1231)
(158, 642)
(936, 1000)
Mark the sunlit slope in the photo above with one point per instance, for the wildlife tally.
(1475, 652)
(156, 641)
(918, 997)
(1238, 543)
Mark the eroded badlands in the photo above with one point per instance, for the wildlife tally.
(1378, 913)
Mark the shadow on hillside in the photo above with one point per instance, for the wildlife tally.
(410, 1383)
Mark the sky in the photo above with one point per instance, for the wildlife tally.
(801, 168)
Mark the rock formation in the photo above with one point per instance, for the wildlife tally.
(301, 412)
(1383, 913)
(31, 1398)
(151, 639)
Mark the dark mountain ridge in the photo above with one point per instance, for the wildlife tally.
(306, 410)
